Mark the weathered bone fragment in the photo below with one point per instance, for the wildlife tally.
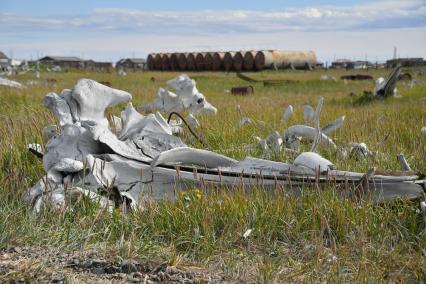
(386, 87)
(333, 126)
(191, 156)
(48, 132)
(59, 107)
(288, 112)
(328, 78)
(403, 162)
(317, 124)
(296, 132)
(308, 113)
(314, 162)
(187, 98)
(274, 141)
(245, 121)
(87, 159)
(359, 150)
(10, 83)
(93, 98)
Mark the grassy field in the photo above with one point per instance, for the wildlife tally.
(312, 238)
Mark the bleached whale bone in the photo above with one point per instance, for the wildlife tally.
(187, 98)
(191, 156)
(313, 161)
(93, 98)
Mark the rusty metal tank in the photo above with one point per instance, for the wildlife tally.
(174, 62)
(208, 61)
(237, 61)
(150, 61)
(200, 61)
(218, 61)
(227, 61)
(248, 61)
(183, 63)
(190, 59)
(284, 59)
(158, 61)
(165, 62)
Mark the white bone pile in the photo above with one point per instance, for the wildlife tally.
(137, 157)
(187, 98)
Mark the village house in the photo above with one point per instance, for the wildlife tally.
(63, 61)
(131, 64)
(406, 62)
(98, 66)
(4, 62)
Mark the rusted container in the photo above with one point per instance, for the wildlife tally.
(284, 59)
(158, 61)
(237, 61)
(227, 61)
(242, 90)
(182, 62)
(190, 59)
(150, 61)
(165, 62)
(218, 61)
(174, 62)
(208, 61)
(248, 61)
(200, 61)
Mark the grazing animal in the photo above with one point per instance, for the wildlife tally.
(242, 90)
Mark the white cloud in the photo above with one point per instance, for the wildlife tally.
(109, 33)
(321, 18)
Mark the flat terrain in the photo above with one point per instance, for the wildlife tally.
(198, 238)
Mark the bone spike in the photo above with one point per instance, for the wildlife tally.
(190, 156)
(403, 162)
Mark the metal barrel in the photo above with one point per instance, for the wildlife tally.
(200, 61)
(284, 59)
(190, 59)
(237, 61)
(165, 62)
(158, 61)
(174, 62)
(248, 61)
(183, 63)
(150, 61)
(208, 61)
(227, 61)
(218, 61)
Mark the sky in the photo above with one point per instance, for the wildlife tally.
(110, 30)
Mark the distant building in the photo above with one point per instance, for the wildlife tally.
(63, 61)
(342, 64)
(132, 64)
(406, 62)
(98, 66)
(4, 61)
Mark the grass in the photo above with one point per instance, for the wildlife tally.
(315, 237)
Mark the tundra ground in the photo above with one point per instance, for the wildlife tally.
(314, 237)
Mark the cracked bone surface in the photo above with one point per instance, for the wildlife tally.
(85, 157)
(187, 98)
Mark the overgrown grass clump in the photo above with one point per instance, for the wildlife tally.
(313, 237)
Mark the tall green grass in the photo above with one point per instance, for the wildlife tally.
(314, 237)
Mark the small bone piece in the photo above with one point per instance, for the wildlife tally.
(403, 162)
(308, 113)
(287, 113)
(314, 162)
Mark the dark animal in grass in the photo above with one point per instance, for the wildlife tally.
(242, 90)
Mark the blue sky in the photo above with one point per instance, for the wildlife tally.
(109, 30)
